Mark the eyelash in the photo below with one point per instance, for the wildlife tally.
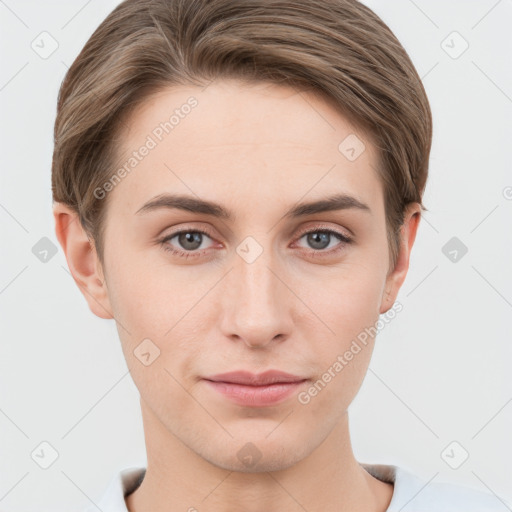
(313, 252)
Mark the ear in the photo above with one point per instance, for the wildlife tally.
(396, 277)
(82, 260)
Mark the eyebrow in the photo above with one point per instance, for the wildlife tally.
(195, 205)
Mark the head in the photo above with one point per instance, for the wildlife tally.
(261, 108)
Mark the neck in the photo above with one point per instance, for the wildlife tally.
(328, 479)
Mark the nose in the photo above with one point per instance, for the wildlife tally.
(256, 303)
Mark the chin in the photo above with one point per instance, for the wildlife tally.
(257, 456)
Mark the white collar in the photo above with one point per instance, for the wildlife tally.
(408, 487)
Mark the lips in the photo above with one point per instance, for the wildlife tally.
(251, 379)
(255, 390)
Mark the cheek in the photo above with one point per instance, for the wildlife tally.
(348, 303)
(140, 301)
(346, 299)
(350, 308)
(359, 303)
(160, 305)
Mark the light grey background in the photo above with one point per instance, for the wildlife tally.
(440, 371)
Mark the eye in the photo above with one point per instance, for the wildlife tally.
(189, 239)
(321, 239)
(189, 242)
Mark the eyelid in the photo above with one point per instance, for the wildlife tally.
(303, 231)
(344, 239)
(325, 227)
(188, 229)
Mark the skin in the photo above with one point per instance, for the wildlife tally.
(258, 150)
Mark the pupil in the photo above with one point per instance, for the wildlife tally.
(319, 238)
(188, 238)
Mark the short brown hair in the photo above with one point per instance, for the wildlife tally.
(338, 48)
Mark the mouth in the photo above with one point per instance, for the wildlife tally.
(256, 390)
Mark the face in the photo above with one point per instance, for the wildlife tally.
(266, 285)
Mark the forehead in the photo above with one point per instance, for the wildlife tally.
(243, 142)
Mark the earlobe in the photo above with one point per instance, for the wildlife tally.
(396, 278)
(82, 260)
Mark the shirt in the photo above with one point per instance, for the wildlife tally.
(411, 493)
